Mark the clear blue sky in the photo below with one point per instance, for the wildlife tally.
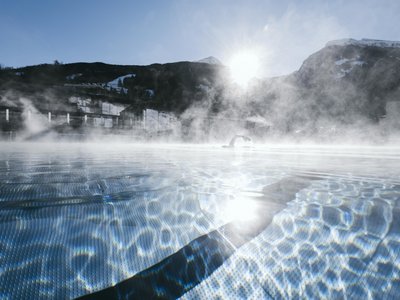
(149, 31)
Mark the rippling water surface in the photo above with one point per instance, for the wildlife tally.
(78, 219)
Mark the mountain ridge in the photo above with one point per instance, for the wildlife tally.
(343, 83)
(363, 42)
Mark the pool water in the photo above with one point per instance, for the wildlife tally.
(170, 221)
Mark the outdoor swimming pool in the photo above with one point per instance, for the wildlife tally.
(186, 221)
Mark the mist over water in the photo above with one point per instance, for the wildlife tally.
(272, 175)
(345, 93)
(247, 199)
(90, 215)
(291, 117)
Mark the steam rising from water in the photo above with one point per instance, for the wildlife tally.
(34, 121)
(240, 116)
(287, 109)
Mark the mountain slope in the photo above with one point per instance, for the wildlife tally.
(364, 74)
(170, 87)
(343, 83)
(348, 82)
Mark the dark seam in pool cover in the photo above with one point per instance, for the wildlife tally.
(183, 270)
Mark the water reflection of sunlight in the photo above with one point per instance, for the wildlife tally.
(340, 234)
(241, 209)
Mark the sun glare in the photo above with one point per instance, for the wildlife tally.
(241, 209)
(244, 66)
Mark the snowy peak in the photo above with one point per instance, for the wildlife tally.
(365, 43)
(210, 60)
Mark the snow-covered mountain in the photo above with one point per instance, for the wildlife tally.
(167, 87)
(343, 82)
(364, 42)
(210, 60)
(355, 61)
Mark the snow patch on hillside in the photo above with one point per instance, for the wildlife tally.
(211, 60)
(150, 93)
(347, 65)
(117, 84)
(73, 76)
(341, 61)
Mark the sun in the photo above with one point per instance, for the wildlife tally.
(244, 66)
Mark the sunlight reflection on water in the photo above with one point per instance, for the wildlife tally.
(80, 218)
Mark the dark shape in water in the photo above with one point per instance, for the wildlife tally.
(183, 270)
(234, 139)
